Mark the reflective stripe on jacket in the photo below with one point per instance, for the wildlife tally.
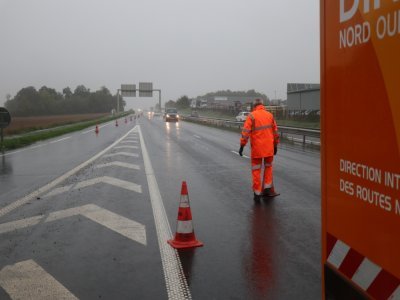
(261, 128)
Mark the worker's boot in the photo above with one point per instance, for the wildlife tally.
(270, 192)
(257, 198)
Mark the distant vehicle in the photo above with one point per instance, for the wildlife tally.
(242, 116)
(171, 114)
(194, 113)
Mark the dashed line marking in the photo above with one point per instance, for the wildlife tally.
(60, 140)
(235, 152)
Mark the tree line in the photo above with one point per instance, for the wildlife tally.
(47, 101)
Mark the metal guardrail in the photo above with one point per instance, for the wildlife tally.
(283, 130)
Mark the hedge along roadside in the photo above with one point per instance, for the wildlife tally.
(14, 142)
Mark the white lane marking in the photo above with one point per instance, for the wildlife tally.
(93, 129)
(235, 152)
(131, 139)
(129, 142)
(366, 273)
(197, 136)
(338, 253)
(59, 191)
(87, 131)
(110, 180)
(14, 225)
(122, 153)
(118, 164)
(177, 287)
(37, 146)
(396, 294)
(24, 149)
(60, 140)
(126, 147)
(5, 210)
(105, 179)
(124, 226)
(28, 280)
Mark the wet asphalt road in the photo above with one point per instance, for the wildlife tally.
(265, 251)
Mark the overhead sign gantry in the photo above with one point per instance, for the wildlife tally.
(145, 90)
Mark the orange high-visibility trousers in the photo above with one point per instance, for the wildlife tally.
(261, 169)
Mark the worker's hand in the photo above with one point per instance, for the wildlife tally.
(275, 149)
(241, 150)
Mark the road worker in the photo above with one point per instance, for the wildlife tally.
(261, 128)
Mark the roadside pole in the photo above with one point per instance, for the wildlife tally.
(5, 120)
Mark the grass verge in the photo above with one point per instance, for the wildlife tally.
(14, 142)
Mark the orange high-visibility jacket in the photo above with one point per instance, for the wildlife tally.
(261, 128)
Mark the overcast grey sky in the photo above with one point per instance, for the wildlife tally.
(185, 47)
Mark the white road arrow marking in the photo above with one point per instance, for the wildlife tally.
(124, 226)
(118, 164)
(104, 179)
(27, 280)
(122, 153)
(126, 147)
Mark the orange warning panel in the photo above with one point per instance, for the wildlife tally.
(360, 105)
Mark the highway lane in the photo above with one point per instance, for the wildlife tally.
(24, 170)
(271, 250)
(92, 236)
(267, 251)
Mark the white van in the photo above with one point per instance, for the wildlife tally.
(242, 116)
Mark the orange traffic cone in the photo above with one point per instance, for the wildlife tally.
(184, 237)
(116, 123)
(97, 129)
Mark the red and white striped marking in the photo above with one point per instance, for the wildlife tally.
(368, 276)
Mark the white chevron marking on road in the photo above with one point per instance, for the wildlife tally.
(126, 147)
(44, 189)
(124, 226)
(28, 280)
(104, 179)
(129, 142)
(118, 164)
(122, 153)
(110, 180)
(59, 191)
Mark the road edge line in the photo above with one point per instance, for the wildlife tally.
(175, 280)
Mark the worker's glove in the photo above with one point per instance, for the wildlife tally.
(275, 149)
(241, 150)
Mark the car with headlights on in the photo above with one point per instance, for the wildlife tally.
(171, 115)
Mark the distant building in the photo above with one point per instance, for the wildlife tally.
(303, 96)
(232, 103)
